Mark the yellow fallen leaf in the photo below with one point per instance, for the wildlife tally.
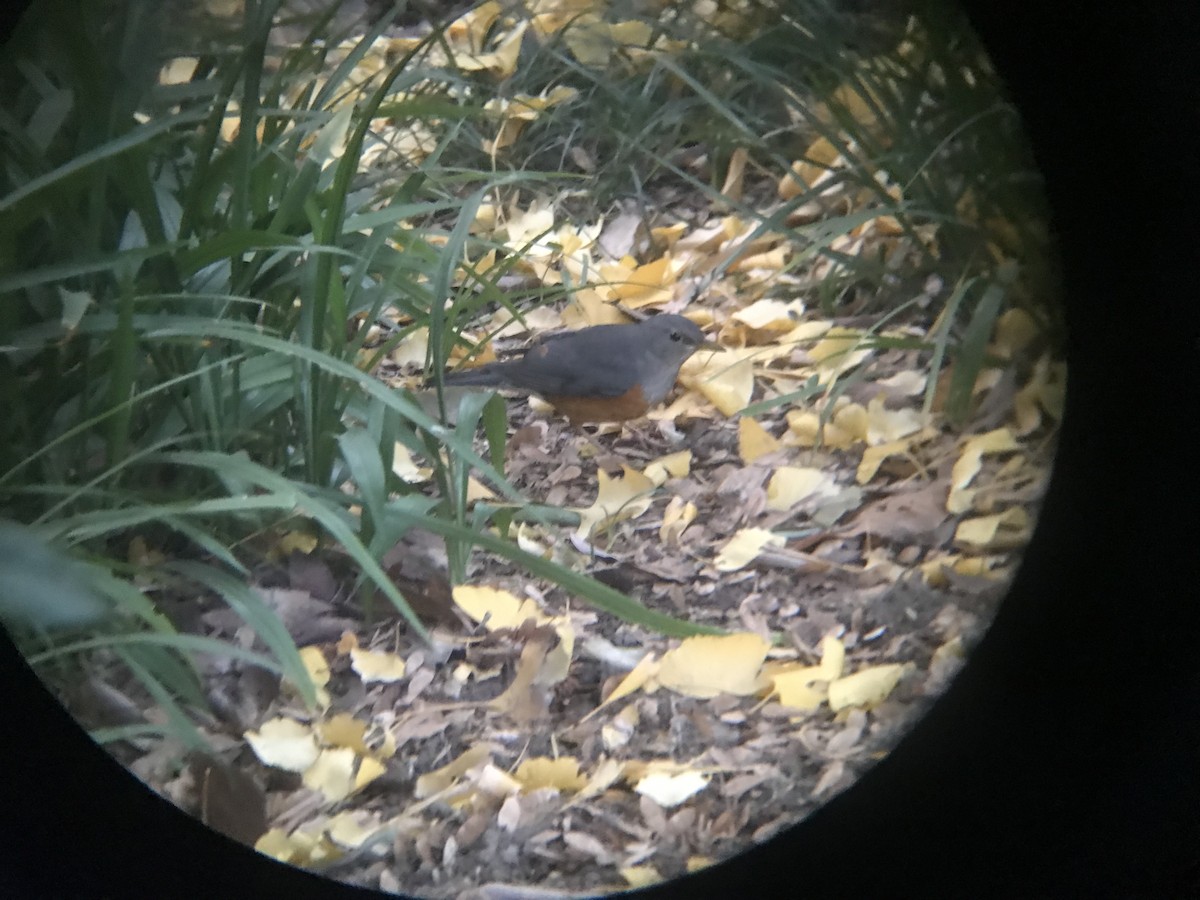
(646, 669)
(369, 768)
(351, 828)
(332, 773)
(439, 779)
(754, 440)
(670, 790)
(541, 771)
(884, 425)
(673, 465)
(796, 685)
(343, 730)
(621, 728)
(1015, 330)
(1002, 531)
(970, 461)
(790, 485)
(838, 352)
(867, 687)
(744, 546)
(298, 848)
(640, 876)
(771, 315)
(847, 427)
(472, 27)
(502, 61)
(647, 285)
(678, 515)
(726, 381)
(375, 665)
(732, 188)
(708, 665)
(285, 744)
(498, 607)
(617, 499)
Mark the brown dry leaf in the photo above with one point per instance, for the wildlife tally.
(744, 546)
(496, 609)
(708, 665)
(904, 517)
(754, 441)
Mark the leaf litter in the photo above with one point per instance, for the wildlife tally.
(851, 543)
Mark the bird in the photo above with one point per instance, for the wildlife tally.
(603, 373)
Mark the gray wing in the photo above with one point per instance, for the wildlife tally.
(596, 364)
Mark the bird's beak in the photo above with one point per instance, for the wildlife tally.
(708, 344)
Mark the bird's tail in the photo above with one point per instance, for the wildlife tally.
(489, 375)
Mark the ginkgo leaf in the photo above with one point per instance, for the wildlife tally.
(1002, 531)
(284, 744)
(754, 441)
(790, 485)
(867, 687)
(375, 665)
(708, 665)
(678, 515)
(669, 790)
(617, 499)
(332, 773)
(744, 546)
(673, 465)
(541, 771)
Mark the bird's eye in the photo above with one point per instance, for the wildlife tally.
(676, 336)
